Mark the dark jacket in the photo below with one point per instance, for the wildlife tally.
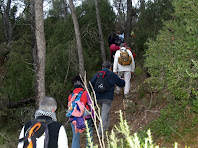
(113, 79)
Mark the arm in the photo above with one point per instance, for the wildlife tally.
(20, 144)
(116, 80)
(115, 63)
(133, 62)
(62, 138)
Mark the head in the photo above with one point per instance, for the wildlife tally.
(118, 32)
(77, 81)
(48, 104)
(106, 64)
(123, 45)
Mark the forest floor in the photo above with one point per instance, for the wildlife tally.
(139, 113)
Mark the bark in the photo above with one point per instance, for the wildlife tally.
(41, 50)
(65, 12)
(33, 34)
(78, 39)
(8, 30)
(142, 5)
(102, 48)
(128, 23)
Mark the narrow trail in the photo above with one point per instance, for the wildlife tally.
(137, 114)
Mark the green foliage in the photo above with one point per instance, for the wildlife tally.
(151, 20)
(194, 75)
(174, 123)
(17, 82)
(168, 57)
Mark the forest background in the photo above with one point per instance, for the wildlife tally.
(163, 33)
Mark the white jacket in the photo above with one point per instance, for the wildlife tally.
(117, 67)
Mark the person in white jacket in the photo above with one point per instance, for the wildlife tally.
(56, 131)
(124, 70)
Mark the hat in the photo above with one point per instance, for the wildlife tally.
(106, 64)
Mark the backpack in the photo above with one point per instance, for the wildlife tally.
(125, 58)
(102, 84)
(36, 130)
(73, 103)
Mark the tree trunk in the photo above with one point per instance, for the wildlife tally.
(41, 50)
(128, 23)
(33, 34)
(65, 11)
(102, 48)
(78, 39)
(5, 11)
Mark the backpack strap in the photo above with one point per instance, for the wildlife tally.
(38, 127)
(103, 73)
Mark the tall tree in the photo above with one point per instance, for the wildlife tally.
(5, 9)
(128, 22)
(102, 48)
(33, 34)
(41, 50)
(78, 38)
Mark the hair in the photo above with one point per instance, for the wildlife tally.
(106, 64)
(123, 45)
(76, 80)
(48, 104)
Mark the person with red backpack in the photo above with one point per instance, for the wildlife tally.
(103, 83)
(44, 131)
(82, 112)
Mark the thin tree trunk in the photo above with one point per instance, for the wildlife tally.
(65, 11)
(78, 39)
(41, 49)
(5, 11)
(33, 34)
(128, 22)
(102, 48)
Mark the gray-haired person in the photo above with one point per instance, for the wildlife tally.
(57, 137)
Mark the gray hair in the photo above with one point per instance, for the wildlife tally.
(48, 104)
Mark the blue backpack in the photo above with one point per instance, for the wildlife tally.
(73, 104)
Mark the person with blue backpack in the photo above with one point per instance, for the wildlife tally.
(103, 83)
(79, 110)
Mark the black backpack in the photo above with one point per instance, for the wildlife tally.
(102, 83)
(36, 130)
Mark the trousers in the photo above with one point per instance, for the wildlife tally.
(76, 136)
(127, 79)
(105, 115)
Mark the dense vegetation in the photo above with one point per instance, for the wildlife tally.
(166, 34)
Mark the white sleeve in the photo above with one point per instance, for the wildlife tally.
(20, 144)
(62, 138)
(115, 63)
(133, 62)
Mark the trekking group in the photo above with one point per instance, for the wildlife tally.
(46, 132)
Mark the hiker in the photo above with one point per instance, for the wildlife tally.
(112, 38)
(105, 92)
(123, 69)
(113, 49)
(120, 37)
(84, 99)
(54, 134)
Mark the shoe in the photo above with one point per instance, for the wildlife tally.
(126, 96)
(116, 92)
